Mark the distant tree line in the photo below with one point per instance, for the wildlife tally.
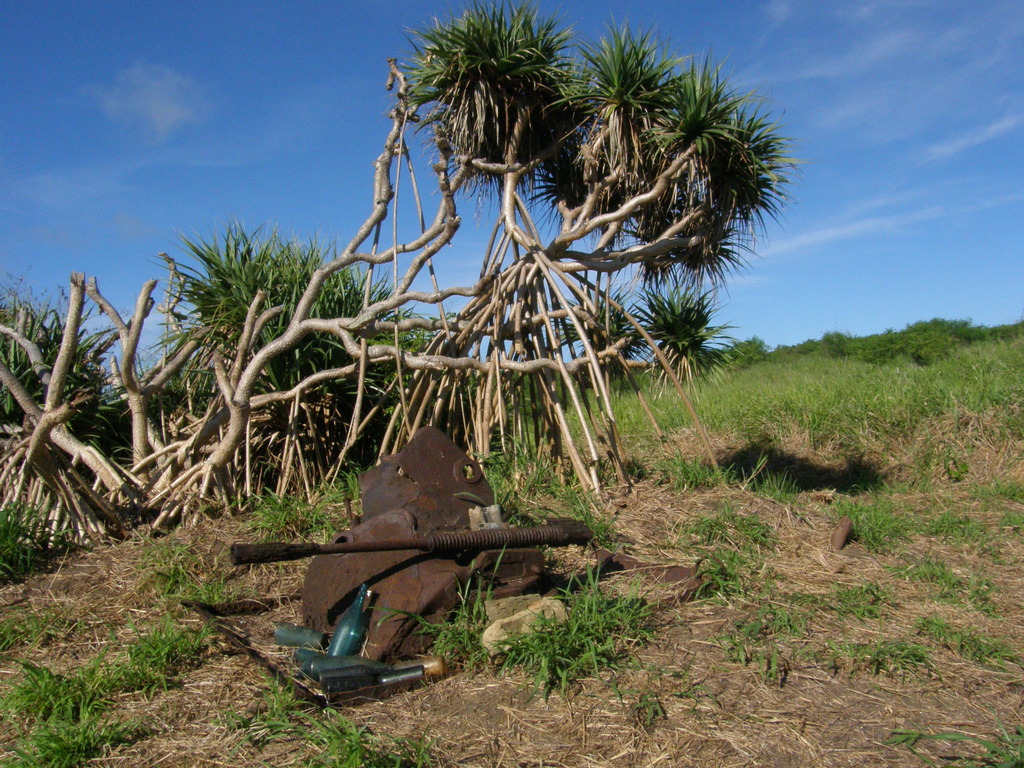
(921, 343)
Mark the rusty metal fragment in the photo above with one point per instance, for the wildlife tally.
(841, 533)
(430, 486)
(613, 562)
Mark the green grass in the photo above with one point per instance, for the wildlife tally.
(171, 569)
(725, 574)
(772, 619)
(154, 660)
(457, 639)
(863, 601)
(174, 572)
(754, 639)
(684, 474)
(64, 718)
(283, 518)
(882, 657)
(877, 524)
(776, 485)
(22, 625)
(327, 737)
(519, 477)
(529, 492)
(975, 590)
(41, 694)
(727, 526)
(966, 642)
(766, 657)
(957, 529)
(583, 507)
(65, 744)
(1003, 490)
(843, 406)
(931, 571)
(1014, 521)
(598, 637)
(731, 548)
(1004, 750)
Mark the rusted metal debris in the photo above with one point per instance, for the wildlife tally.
(613, 562)
(841, 533)
(425, 490)
(556, 533)
(434, 500)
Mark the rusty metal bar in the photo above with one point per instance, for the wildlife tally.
(558, 533)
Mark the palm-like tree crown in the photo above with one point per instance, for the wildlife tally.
(680, 321)
(487, 72)
(607, 124)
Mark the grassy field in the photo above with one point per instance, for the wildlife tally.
(905, 648)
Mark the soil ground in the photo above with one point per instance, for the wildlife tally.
(687, 701)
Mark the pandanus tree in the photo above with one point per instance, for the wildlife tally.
(680, 322)
(601, 160)
(606, 165)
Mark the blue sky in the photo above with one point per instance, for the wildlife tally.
(125, 124)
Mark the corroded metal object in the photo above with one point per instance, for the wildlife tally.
(430, 476)
(428, 487)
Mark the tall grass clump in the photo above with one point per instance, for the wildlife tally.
(853, 408)
(25, 537)
(597, 637)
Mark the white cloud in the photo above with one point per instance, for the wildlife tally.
(868, 225)
(778, 13)
(958, 144)
(870, 53)
(154, 97)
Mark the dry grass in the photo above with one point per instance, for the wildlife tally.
(688, 702)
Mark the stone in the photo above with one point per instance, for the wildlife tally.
(520, 623)
(503, 607)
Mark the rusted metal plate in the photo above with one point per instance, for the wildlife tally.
(509, 572)
(429, 486)
(684, 575)
(432, 477)
(332, 580)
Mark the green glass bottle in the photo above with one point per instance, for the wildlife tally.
(350, 629)
(353, 677)
(338, 680)
(298, 637)
(314, 664)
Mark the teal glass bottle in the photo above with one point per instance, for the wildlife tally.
(316, 666)
(350, 629)
(353, 678)
(338, 680)
(313, 665)
(298, 637)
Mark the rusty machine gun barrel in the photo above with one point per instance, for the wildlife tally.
(557, 533)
